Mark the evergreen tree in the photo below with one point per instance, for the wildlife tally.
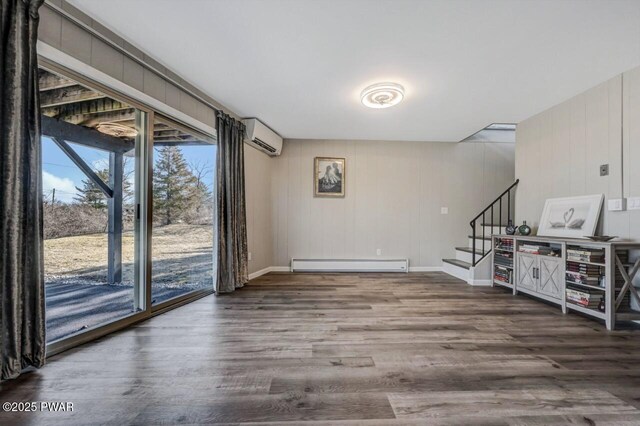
(90, 194)
(173, 185)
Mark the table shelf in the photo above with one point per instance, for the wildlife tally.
(539, 276)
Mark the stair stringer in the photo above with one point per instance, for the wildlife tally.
(480, 275)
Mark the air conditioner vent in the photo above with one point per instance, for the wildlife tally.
(262, 137)
(264, 145)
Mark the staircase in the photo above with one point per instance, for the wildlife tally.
(472, 263)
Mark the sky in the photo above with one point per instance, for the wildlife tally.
(59, 172)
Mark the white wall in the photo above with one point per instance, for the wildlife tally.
(258, 170)
(559, 151)
(394, 192)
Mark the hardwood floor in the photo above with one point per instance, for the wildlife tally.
(353, 349)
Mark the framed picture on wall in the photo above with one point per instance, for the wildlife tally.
(329, 177)
(573, 217)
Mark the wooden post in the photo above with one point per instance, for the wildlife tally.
(114, 268)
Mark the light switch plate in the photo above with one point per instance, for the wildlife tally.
(379, 252)
(617, 205)
(444, 210)
(249, 256)
(633, 203)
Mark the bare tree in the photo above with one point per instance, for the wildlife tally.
(203, 196)
(200, 170)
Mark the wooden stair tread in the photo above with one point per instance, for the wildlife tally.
(470, 250)
(456, 262)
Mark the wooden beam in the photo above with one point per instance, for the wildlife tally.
(114, 204)
(67, 95)
(90, 112)
(89, 117)
(161, 126)
(78, 161)
(124, 116)
(84, 136)
(49, 81)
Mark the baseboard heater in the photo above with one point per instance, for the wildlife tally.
(349, 265)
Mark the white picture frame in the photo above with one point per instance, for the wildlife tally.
(573, 217)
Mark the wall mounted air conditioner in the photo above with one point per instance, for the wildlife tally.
(262, 137)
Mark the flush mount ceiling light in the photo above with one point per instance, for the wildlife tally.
(117, 130)
(382, 95)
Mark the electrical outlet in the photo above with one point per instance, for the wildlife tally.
(378, 252)
(633, 203)
(249, 256)
(444, 210)
(617, 205)
(604, 170)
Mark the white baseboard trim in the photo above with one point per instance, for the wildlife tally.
(268, 269)
(349, 265)
(259, 273)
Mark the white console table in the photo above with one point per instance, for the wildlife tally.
(543, 275)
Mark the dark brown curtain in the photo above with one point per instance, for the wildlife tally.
(22, 322)
(233, 269)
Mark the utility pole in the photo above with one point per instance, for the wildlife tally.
(53, 197)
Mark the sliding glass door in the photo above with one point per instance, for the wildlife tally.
(89, 161)
(128, 209)
(183, 212)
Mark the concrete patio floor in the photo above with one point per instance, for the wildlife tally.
(73, 307)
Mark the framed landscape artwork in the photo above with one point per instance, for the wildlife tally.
(573, 217)
(329, 177)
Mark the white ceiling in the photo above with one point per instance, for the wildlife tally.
(299, 65)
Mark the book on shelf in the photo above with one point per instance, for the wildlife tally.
(582, 278)
(585, 255)
(536, 249)
(584, 294)
(595, 274)
(502, 274)
(625, 304)
(580, 265)
(584, 297)
(591, 305)
(503, 262)
(623, 255)
(505, 255)
(504, 244)
(583, 268)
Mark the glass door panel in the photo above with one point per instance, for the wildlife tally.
(183, 211)
(89, 163)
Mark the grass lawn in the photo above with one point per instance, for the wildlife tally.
(181, 249)
(78, 296)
